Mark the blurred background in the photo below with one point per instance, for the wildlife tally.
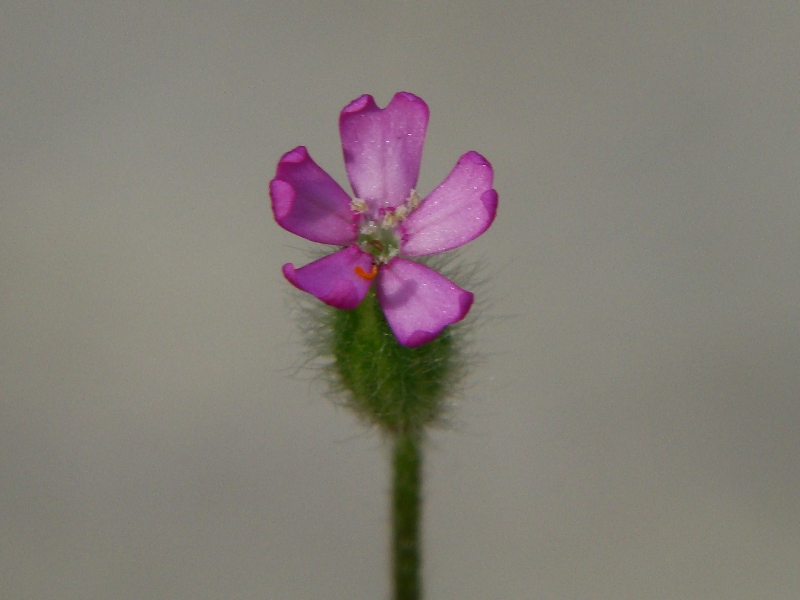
(633, 428)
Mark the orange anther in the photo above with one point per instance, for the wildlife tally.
(362, 273)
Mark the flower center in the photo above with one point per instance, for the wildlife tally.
(377, 230)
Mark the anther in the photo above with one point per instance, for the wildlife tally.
(389, 220)
(358, 205)
(362, 273)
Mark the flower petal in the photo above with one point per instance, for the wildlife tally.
(383, 147)
(456, 212)
(333, 278)
(309, 203)
(418, 302)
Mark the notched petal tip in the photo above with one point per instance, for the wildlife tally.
(366, 103)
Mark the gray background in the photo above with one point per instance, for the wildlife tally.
(633, 428)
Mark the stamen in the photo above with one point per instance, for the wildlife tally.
(413, 200)
(389, 220)
(362, 273)
(358, 205)
(377, 244)
(369, 228)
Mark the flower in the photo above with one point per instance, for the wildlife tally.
(386, 221)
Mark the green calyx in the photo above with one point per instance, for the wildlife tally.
(400, 389)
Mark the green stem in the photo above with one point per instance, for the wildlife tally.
(406, 515)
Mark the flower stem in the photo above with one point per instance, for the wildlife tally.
(401, 390)
(406, 512)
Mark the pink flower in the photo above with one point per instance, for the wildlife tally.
(386, 221)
